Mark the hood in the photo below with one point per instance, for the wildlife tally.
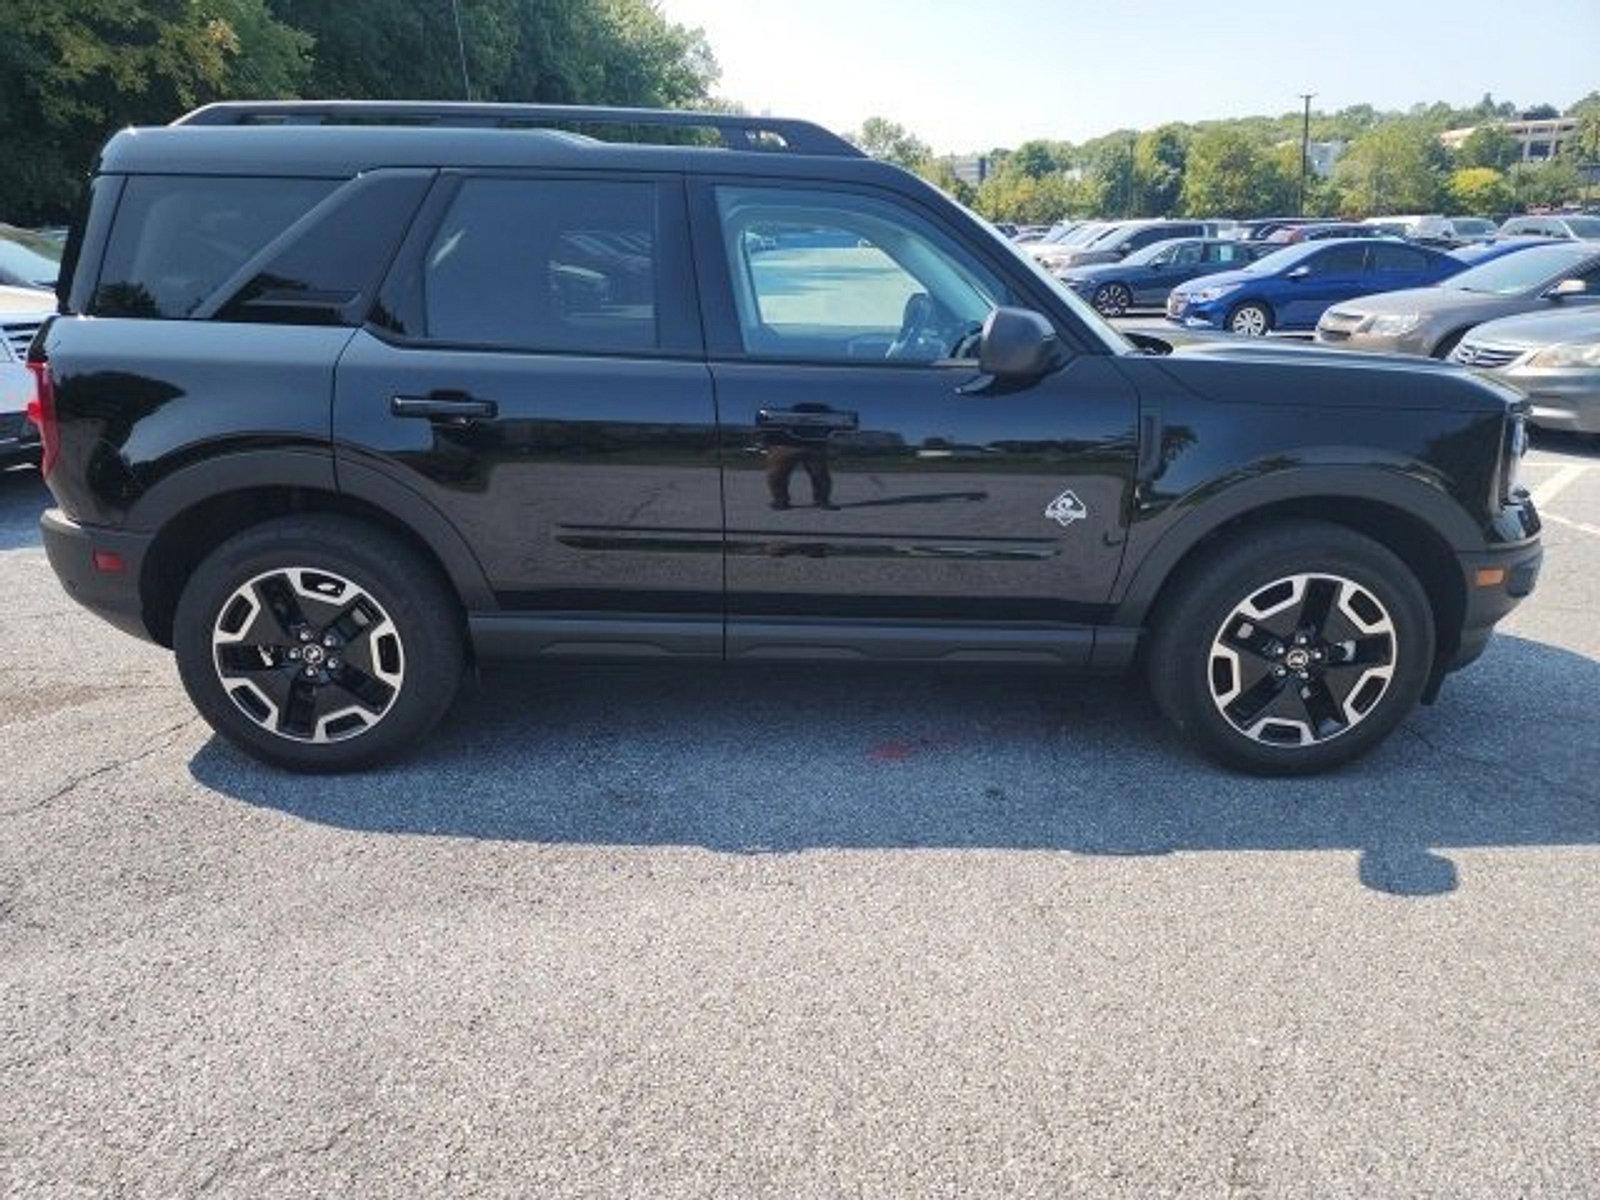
(1221, 279)
(1299, 375)
(1429, 301)
(1091, 271)
(1544, 328)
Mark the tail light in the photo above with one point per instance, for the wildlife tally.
(42, 413)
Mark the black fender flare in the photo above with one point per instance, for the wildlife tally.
(1388, 486)
(315, 469)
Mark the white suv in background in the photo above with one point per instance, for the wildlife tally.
(22, 311)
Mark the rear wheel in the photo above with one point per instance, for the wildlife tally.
(1250, 320)
(1293, 649)
(1112, 299)
(319, 643)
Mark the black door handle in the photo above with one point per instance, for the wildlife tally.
(455, 407)
(800, 418)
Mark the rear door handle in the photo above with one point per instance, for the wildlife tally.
(454, 407)
(799, 418)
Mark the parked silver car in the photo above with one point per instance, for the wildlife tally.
(1554, 358)
(1432, 320)
(22, 311)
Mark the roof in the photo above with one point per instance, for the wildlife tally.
(341, 138)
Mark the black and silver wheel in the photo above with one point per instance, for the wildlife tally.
(1250, 320)
(318, 643)
(1112, 299)
(1294, 649)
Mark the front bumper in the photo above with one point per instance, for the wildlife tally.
(1497, 580)
(1558, 398)
(112, 595)
(1183, 311)
(19, 441)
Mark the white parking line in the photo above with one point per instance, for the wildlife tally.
(1570, 524)
(1552, 487)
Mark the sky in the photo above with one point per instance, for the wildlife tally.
(974, 74)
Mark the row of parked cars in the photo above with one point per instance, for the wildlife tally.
(1519, 298)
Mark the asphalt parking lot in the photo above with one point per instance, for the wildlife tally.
(812, 933)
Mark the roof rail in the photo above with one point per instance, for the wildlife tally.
(736, 132)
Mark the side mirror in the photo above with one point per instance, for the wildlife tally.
(1017, 344)
(1300, 272)
(1568, 287)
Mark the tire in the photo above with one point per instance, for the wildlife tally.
(341, 646)
(1251, 319)
(1221, 647)
(1112, 299)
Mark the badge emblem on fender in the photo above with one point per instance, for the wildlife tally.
(1066, 508)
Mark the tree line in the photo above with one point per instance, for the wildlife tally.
(73, 71)
(1393, 163)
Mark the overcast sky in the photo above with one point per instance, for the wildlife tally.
(972, 74)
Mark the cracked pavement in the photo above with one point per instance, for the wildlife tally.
(637, 932)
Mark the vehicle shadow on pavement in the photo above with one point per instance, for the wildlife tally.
(794, 758)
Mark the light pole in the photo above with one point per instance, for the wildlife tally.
(461, 47)
(1305, 149)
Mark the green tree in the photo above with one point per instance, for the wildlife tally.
(73, 71)
(1229, 172)
(940, 173)
(1489, 145)
(1396, 167)
(1035, 159)
(1479, 191)
(1546, 185)
(887, 140)
(1159, 155)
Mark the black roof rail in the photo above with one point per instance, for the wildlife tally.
(736, 132)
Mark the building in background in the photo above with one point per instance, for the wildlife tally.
(1539, 140)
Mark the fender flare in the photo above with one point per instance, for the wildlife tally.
(315, 469)
(1396, 489)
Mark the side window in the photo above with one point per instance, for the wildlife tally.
(840, 276)
(1387, 258)
(1228, 252)
(1187, 255)
(178, 238)
(545, 264)
(1147, 237)
(1339, 260)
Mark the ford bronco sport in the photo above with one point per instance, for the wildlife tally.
(342, 397)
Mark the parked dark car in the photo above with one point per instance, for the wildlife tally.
(1260, 229)
(1125, 237)
(1291, 234)
(1431, 320)
(1290, 288)
(1147, 276)
(321, 413)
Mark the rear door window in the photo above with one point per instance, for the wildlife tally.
(545, 264)
(1339, 260)
(176, 239)
(1391, 260)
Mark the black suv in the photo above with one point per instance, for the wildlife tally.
(342, 397)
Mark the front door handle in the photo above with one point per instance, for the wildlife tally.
(457, 408)
(803, 418)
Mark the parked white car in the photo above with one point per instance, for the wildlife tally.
(22, 311)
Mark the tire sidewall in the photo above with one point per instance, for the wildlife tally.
(403, 587)
(1187, 650)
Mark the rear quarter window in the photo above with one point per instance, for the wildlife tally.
(175, 240)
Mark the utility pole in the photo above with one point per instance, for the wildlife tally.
(1305, 149)
(461, 48)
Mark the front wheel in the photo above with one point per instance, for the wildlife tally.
(1294, 649)
(1112, 299)
(1250, 320)
(319, 643)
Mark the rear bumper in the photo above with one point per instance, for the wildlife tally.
(112, 595)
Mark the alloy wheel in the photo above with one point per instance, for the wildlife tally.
(1303, 660)
(308, 655)
(1251, 321)
(1112, 300)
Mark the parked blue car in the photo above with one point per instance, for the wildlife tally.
(1145, 277)
(1290, 288)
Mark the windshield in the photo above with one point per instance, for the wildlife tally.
(1474, 225)
(1084, 234)
(1059, 234)
(1154, 250)
(1279, 260)
(1524, 271)
(1584, 227)
(28, 259)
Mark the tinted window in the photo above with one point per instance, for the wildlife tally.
(177, 239)
(1338, 260)
(842, 276)
(1186, 255)
(1397, 258)
(1584, 227)
(562, 265)
(332, 262)
(1229, 252)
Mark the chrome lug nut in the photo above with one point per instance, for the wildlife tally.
(1280, 672)
(294, 652)
(330, 641)
(311, 672)
(305, 635)
(333, 663)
